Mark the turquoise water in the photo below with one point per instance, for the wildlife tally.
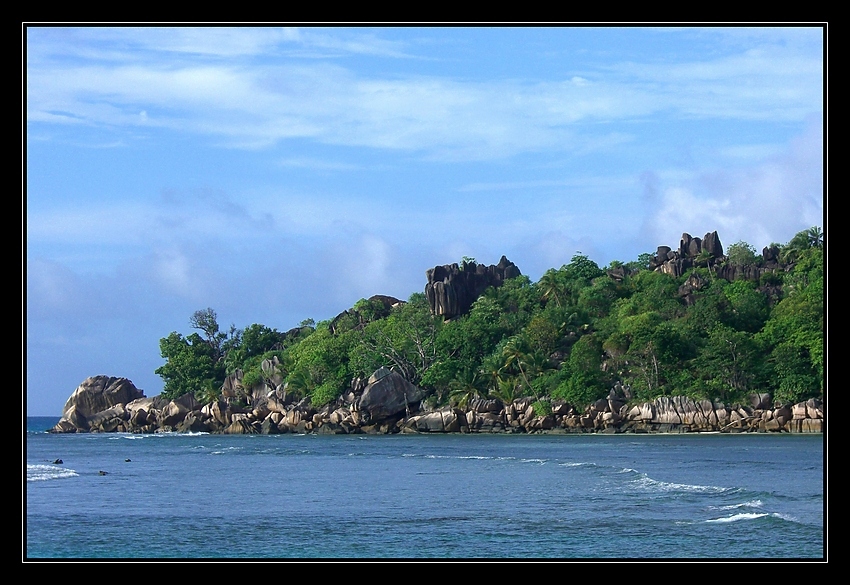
(424, 497)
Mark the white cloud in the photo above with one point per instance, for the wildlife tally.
(256, 105)
(173, 271)
(766, 202)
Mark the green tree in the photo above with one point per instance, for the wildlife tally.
(405, 340)
(795, 372)
(815, 236)
(793, 335)
(321, 360)
(728, 363)
(742, 254)
(470, 384)
(553, 285)
(254, 340)
(582, 269)
(803, 240)
(642, 262)
(205, 320)
(529, 363)
(584, 383)
(190, 367)
(748, 307)
(656, 352)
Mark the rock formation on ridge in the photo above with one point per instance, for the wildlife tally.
(452, 289)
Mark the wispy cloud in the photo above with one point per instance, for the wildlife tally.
(441, 118)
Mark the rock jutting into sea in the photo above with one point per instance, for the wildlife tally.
(386, 403)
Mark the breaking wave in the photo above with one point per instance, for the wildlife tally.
(48, 472)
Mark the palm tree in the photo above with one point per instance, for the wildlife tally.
(505, 390)
(706, 257)
(815, 236)
(468, 385)
(551, 286)
(299, 382)
(517, 353)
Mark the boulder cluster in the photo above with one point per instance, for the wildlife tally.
(386, 403)
(452, 288)
(708, 253)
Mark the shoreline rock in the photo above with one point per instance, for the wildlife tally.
(388, 404)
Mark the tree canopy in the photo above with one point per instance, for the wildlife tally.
(572, 335)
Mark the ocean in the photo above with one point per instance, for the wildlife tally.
(472, 497)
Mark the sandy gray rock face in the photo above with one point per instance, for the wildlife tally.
(91, 398)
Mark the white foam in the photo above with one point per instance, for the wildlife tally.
(750, 504)
(663, 486)
(786, 517)
(48, 472)
(737, 517)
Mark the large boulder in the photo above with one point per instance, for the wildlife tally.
(387, 394)
(445, 420)
(176, 410)
(95, 395)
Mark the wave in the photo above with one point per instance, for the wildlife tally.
(645, 482)
(749, 504)
(578, 464)
(753, 516)
(225, 450)
(739, 517)
(48, 472)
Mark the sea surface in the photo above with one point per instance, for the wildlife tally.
(471, 497)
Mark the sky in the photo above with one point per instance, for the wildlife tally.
(282, 174)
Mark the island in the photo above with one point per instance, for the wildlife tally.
(692, 339)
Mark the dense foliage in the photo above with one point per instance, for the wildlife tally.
(571, 336)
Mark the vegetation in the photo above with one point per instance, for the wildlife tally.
(570, 336)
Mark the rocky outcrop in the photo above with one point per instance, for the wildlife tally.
(692, 252)
(387, 394)
(445, 420)
(452, 289)
(97, 399)
(382, 306)
(387, 403)
(708, 253)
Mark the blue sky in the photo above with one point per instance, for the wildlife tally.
(280, 174)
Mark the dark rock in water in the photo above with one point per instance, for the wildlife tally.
(58, 462)
(452, 289)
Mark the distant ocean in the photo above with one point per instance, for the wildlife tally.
(517, 497)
